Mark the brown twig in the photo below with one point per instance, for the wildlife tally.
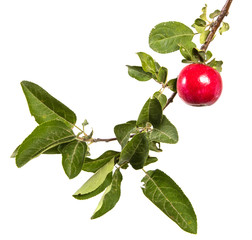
(170, 100)
(216, 24)
(103, 139)
(214, 28)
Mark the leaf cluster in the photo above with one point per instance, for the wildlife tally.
(204, 24)
(138, 138)
(150, 69)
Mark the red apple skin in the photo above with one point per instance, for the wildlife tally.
(199, 85)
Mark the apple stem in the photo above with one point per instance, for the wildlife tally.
(170, 100)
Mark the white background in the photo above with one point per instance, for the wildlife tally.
(77, 51)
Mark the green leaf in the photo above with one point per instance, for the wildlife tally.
(132, 122)
(203, 36)
(153, 146)
(45, 107)
(214, 14)
(200, 22)
(162, 75)
(135, 152)
(165, 132)
(150, 160)
(56, 149)
(85, 123)
(223, 28)
(204, 12)
(123, 131)
(148, 63)
(73, 155)
(45, 136)
(198, 28)
(157, 66)
(200, 55)
(172, 84)
(217, 65)
(97, 183)
(14, 154)
(110, 197)
(53, 150)
(185, 61)
(208, 55)
(163, 192)
(151, 112)
(138, 73)
(186, 50)
(92, 165)
(161, 98)
(166, 37)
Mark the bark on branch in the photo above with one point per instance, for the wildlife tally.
(216, 24)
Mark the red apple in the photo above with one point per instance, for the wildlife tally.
(199, 85)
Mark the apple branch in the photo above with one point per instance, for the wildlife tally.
(216, 24)
(170, 100)
(104, 139)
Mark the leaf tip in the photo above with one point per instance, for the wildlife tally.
(19, 164)
(23, 82)
(93, 217)
(76, 196)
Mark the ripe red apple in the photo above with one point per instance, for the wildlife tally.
(199, 85)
